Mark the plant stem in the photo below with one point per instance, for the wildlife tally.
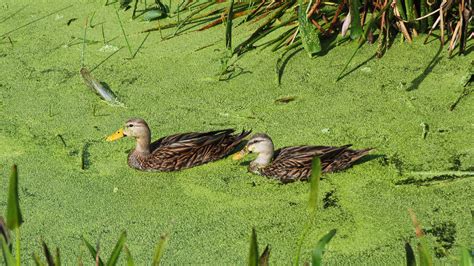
(300, 243)
(17, 247)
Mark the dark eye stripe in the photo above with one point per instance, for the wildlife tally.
(254, 141)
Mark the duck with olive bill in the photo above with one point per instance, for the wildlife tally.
(176, 152)
(294, 163)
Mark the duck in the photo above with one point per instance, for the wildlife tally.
(290, 164)
(178, 151)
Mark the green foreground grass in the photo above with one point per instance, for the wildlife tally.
(211, 209)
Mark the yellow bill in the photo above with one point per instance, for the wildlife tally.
(241, 154)
(117, 135)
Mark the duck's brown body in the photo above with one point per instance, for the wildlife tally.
(291, 164)
(178, 151)
(185, 150)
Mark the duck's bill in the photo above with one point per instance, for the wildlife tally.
(239, 155)
(117, 135)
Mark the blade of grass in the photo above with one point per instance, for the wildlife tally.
(117, 250)
(314, 185)
(57, 259)
(130, 261)
(318, 251)
(160, 249)
(410, 255)
(312, 204)
(410, 8)
(424, 255)
(92, 251)
(7, 255)
(124, 34)
(265, 257)
(465, 259)
(228, 29)
(141, 44)
(84, 43)
(33, 21)
(47, 254)
(253, 252)
(37, 260)
(13, 215)
(308, 32)
(356, 27)
(4, 231)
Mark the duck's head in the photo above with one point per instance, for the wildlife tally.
(136, 128)
(259, 143)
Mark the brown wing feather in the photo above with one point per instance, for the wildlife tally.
(294, 163)
(181, 151)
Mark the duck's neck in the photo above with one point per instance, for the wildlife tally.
(263, 159)
(143, 146)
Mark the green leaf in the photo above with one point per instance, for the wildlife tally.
(228, 29)
(465, 257)
(7, 255)
(318, 251)
(160, 249)
(37, 260)
(92, 251)
(47, 254)
(14, 217)
(57, 259)
(424, 255)
(117, 250)
(253, 253)
(130, 261)
(410, 255)
(314, 185)
(308, 32)
(265, 257)
(356, 27)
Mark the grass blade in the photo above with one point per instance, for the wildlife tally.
(253, 252)
(308, 32)
(92, 251)
(7, 255)
(117, 250)
(314, 185)
(14, 217)
(160, 249)
(465, 257)
(57, 259)
(424, 255)
(356, 28)
(265, 257)
(318, 251)
(410, 255)
(130, 261)
(228, 29)
(124, 34)
(37, 260)
(47, 254)
(4, 232)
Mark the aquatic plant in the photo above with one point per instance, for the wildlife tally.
(317, 26)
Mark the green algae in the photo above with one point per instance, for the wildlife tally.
(213, 207)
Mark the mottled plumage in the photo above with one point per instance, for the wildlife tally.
(290, 164)
(178, 151)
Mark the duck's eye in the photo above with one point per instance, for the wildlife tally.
(130, 125)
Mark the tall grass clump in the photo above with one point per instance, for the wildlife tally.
(317, 26)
